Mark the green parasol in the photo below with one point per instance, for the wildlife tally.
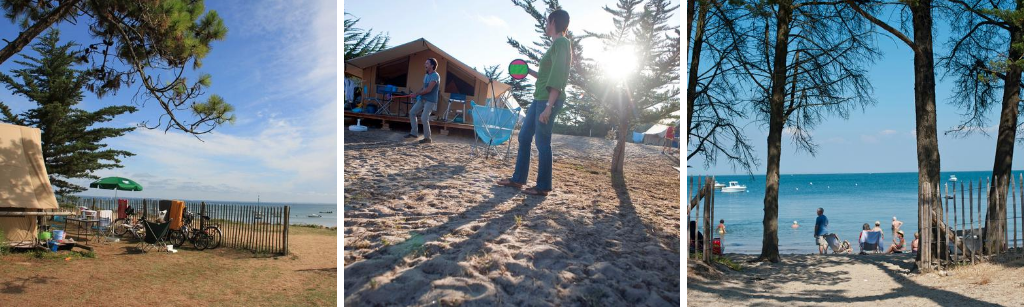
(116, 183)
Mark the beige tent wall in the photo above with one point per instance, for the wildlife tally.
(18, 228)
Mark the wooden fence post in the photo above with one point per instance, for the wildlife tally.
(707, 223)
(287, 217)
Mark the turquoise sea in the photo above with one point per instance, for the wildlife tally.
(849, 200)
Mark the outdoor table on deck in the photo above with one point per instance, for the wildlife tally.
(88, 230)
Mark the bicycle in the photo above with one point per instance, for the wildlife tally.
(199, 239)
(213, 231)
(122, 226)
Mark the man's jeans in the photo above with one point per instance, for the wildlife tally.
(426, 107)
(532, 127)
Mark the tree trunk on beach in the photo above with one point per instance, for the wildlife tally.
(776, 122)
(691, 80)
(924, 109)
(996, 219)
(619, 156)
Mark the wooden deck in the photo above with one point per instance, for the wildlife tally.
(385, 119)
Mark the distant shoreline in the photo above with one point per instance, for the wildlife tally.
(761, 174)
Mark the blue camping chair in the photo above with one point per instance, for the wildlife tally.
(459, 114)
(493, 127)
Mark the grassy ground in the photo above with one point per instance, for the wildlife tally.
(118, 275)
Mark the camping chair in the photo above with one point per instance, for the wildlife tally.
(387, 91)
(493, 126)
(872, 240)
(155, 234)
(456, 98)
(837, 246)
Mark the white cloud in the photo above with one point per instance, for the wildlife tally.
(493, 21)
(888, 132)
(869, 139)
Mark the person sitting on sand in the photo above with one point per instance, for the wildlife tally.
(795, 225)
(721, 226)
(863, 235)
(548, 98)
(913, 245)
(896, 224)
(897, 246)
(820, 230)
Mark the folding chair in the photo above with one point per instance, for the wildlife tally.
(387, 91)
(493, 126)
(456, 98)
(155, 234)
(871, 241)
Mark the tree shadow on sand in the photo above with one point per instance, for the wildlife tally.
(387, 258)
(815, 276)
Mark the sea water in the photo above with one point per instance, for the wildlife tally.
(849, 201)
(299, 213)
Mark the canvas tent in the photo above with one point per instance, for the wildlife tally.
(25, 190)
(402, 66)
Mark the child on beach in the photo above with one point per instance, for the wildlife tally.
(913, 246)
(721, 226)
(547, 101)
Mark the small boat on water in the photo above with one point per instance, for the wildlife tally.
(326, 211)
(315, 215)
(719, 185)
(952, 178)
(734, 187)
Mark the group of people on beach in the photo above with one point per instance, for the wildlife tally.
(821, 236)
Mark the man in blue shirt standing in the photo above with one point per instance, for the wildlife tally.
(820, 230)
(427, 103)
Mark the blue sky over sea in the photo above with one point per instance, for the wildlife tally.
(278, 67)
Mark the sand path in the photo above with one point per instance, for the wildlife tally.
(424, 224)
(857, 280)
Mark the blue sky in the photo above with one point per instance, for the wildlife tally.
(278, 67)
(475, 32)
(881, 137)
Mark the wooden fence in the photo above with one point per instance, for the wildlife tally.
(705, 189)
(957, 230)
(260, 229)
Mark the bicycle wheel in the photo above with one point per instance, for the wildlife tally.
(119, 227)
(201, 240)
(176, 238)
(215, 235)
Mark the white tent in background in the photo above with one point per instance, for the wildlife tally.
(25, 190)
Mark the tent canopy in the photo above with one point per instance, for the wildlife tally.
(24, 183)
(415, 46)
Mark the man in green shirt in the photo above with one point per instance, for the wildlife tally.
(547, 101)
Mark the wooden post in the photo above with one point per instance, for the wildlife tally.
(714, 230)
(945, 229)
(707, 223)
(1013, 203)
(287, 216)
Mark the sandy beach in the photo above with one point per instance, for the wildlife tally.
(425, 225)
(857, 280)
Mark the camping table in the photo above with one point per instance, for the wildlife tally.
(88, 230)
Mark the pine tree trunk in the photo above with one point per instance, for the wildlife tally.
(776, 122)
(996, 220)
(691, 81)
(30, 33)
(924, 107)
(619, 156)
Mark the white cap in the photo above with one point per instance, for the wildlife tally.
(794, 222)
(894, 218)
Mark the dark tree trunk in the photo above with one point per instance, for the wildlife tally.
(691, 86)
(924, 107)
(25, 37)
(996, 219)
(776, 122)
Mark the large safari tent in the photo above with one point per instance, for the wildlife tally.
(25, 191)
(402, 66)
